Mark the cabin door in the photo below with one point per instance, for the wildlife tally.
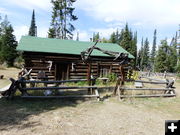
(61, 71)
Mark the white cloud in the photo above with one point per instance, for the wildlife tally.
(104, 32)
(83, 35)
(158, 12)
(31, 4)
(23, 31)
(116, 25)
(42, 31)
(137, 24)
(4, 11)
(20, 31)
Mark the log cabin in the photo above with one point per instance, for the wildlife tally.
(61, 59)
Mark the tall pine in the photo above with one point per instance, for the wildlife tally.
(33, 27)
(7, 43)
(166, 58)
(141, 55)
(145, 58)
(134, 48)
(162, 61)
(96, 37)
(153, 50)
(113, 38)
(62, 16)
(126, 39)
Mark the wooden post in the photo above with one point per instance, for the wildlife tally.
(121, 68)
(120, 82)
(110, 70)
(117, 85)
(22, 85)
(55, 72)
(89, 77)
(98, 69)
(68, 72)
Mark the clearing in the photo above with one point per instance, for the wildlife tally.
(80, 117)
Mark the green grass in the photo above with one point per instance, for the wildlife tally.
(178, 81)
(165, 105)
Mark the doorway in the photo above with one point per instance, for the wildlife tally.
(61, 71)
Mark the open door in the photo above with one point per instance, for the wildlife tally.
(61, 71)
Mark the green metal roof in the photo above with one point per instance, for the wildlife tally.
(50, 45)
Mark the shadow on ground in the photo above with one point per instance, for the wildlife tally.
(14, 112)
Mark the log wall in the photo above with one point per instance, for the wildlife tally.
(39, 61)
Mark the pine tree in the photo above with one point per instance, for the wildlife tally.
(146, 61)
(8, 43)
(0, 26)
(117, 37)
(126, 39)
(33, 27)
(4, 24)
(166, 58)
(162, 61)
(153, 51)
(134, 48)
(77, 38)
(172, 59)
(121, 36)
(62, 16)
(51, 33)
(141, 55)
(96, 37)
(113, 38)
(104, 40)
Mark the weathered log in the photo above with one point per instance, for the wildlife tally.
(155, 89)
(68, 96)
(145, 96)
(57, 88)
(63, 81)
(151, 82)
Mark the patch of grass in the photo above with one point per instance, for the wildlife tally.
(178, 81)
(2, 67)
(165, 105)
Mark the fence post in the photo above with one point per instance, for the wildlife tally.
(89, 78)
(22, 85)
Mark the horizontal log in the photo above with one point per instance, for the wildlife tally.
(45, 70)
(60, 81)
(158, 89)
(49, 77)
(69, 87)
(82, 67)
(63, 87)
(152, 82)
(62, 57)
(38, 68)
(153, 79)
(77, 77)
(47, 74)
(81, 70)
(68, 96)
(80, 74)
(144, 96)
(38, 61)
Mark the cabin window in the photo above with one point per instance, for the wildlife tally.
(104, 71)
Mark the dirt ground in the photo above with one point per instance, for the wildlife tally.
(87, 117)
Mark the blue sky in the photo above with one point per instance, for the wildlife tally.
(104, 16)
